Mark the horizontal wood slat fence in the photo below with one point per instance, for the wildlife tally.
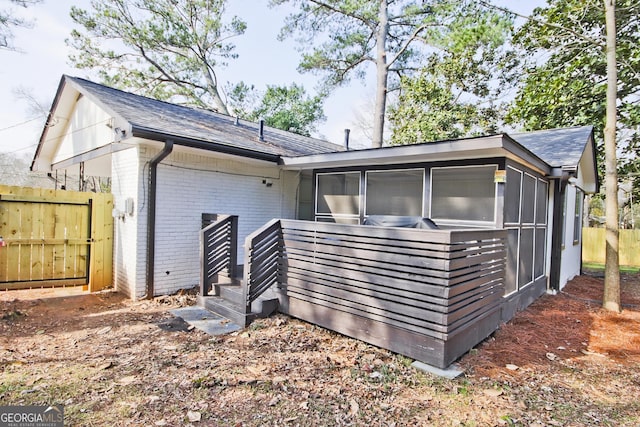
(428, 294)
(218, 253)
(55, 238)
(593, 246)
(263, 258)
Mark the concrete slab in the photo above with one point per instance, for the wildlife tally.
(451, 372)
(205, 320)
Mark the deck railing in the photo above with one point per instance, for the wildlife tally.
(428, 278)
(428, 294)
(263, 252)
(218, 250)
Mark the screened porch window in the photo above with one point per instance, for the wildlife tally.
(463, 193)
(338, 197)
(395, 192)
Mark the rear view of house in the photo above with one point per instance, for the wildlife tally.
(498, 217)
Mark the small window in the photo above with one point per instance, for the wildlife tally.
(463, 193)
(577, 219)
(338, 194)
(396, 192)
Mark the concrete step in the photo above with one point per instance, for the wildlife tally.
(234, 312)
(230, 304)
(231, 293)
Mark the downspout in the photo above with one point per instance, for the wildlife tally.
(560, 184)
(151, 214)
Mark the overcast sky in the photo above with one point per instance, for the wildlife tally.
(262, 60)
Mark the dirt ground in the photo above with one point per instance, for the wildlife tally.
(112, 362)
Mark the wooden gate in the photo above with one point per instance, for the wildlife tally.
(55, 238)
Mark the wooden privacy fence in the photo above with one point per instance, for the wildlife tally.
(55, 238)
(593, 246)
(428, 294)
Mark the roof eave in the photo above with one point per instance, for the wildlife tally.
(50, 116)
(155, 135)
(484, 147)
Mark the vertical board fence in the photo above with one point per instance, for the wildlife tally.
(593, 246)
(55, 238)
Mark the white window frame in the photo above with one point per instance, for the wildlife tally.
(577, 217)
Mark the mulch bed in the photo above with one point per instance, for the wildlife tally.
(570, 325)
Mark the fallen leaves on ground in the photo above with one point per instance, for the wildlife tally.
(110, 361)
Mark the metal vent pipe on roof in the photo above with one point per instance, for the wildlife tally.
(261, 130)
(346, 138)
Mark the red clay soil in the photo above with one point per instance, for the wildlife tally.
(570, 325)
(114, 362)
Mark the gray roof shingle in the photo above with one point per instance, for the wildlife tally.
(196, 124)
(557, 147)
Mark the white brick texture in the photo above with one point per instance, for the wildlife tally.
(189, 185)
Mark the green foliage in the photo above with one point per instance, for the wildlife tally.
(340, 39)
(166, 49)
(456, 92)
(427, 111)
(335, 36)
(287, 108)
(565, 75)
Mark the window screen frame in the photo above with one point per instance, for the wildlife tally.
(509, 202)
(451, 221)
(353, 218)
(365, 189)
(528, 200)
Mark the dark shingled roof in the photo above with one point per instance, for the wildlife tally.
(163, 118)
(557, 147)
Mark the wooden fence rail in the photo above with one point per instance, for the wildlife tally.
(593, 246)
(55, 238)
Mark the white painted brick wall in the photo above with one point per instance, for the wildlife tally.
(191, 184)
(128, 263)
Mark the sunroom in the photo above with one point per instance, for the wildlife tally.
(478, 246)
(480, 183)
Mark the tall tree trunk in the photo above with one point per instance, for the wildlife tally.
(212, 84)
(217, 100)
(611, 299)
(382, 72)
